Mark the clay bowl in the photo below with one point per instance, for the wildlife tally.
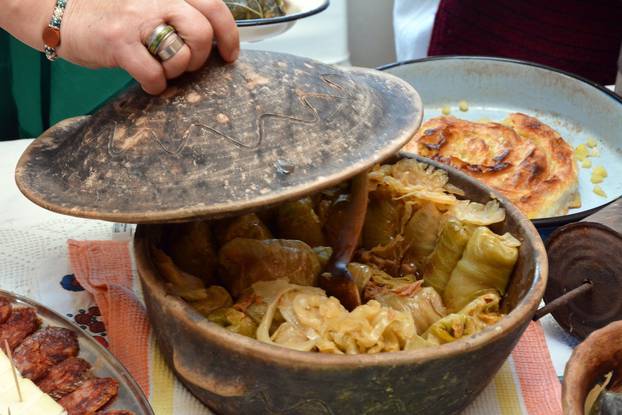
(233, 374)
(598, 355)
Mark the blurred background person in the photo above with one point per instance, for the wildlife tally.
(577, 36)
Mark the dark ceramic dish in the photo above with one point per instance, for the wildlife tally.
(233, 374)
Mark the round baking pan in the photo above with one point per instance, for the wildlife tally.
(495, 87)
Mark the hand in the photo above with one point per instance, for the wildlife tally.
(111, 33)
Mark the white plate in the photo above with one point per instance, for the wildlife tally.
(254, 30)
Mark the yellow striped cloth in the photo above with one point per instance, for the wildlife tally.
(526, 383)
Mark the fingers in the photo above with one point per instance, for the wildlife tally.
(177, 64)
(143, 67)
(195, 30)
(197, 22)
(225, 30)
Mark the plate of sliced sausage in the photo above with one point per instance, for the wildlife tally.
(58, 366)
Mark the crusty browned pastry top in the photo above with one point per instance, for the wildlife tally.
(523, 158)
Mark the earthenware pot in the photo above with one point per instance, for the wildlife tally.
(233, 374)
(599, 354)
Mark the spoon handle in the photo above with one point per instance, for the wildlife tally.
(350, 230)
(337, 281)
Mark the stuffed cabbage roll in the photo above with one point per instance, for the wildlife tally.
(418, 342)
(256, 300)
(410, 178)
(446, 254)
(246, 261)
(484, 309)
(255, 9)
(485, 266)
(297, 220)
(423, 303)
(451, 328)
(177, 280)
(383, 220)
(190, 246)
(421, 233)
(361, 274)
(234, 321)
(212, 298)
(380, 280)
(246, 226)
(478, 214)
(388, 258)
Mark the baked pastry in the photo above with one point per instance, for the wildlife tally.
(521, 157)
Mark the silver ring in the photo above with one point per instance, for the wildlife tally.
(157, 35)
(164, 42)
(170, 45)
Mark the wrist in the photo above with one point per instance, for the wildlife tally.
(26, 19)
(51, 33)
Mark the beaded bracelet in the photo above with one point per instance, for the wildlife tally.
(51, 34)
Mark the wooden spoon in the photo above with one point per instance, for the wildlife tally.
(337, 281)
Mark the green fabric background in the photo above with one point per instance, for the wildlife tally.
(36, 93)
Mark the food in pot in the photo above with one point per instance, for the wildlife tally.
(246, 226)
(245, 261)
(298, 220)
(521, 157)
(190, 245)
(486, 264)
(428, 267)
(256, 9)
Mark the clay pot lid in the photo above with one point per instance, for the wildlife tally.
(223, 140)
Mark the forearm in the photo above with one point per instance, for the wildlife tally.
(26, 19)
